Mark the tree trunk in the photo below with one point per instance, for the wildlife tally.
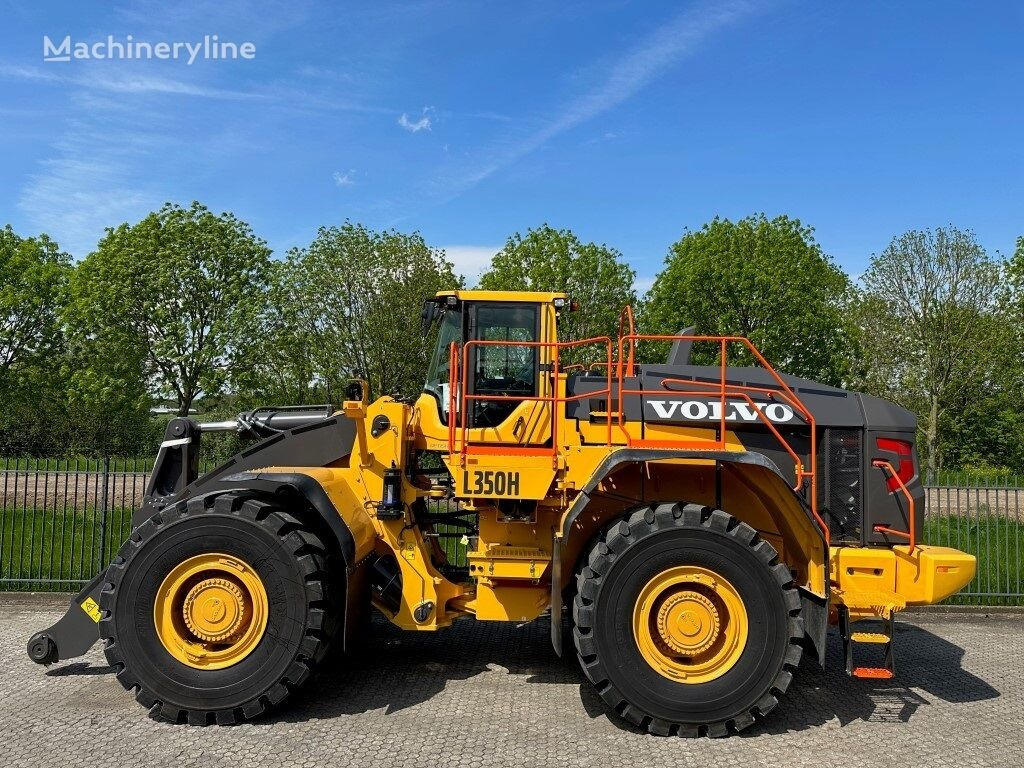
(932, 440)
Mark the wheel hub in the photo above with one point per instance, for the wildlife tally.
(211, 611)
(688, 623)
(216, 610)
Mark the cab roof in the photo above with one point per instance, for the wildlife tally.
(534, 297)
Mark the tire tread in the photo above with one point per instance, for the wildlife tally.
(644, 521)
(309, 554)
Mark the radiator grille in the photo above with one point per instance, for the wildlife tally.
(844, 484)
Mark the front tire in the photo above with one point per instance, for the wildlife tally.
(214, 610)
(686, 622)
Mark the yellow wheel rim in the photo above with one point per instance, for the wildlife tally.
(211, 611)
(690, 624)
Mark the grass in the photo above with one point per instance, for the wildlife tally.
(56, 551)
(978, 478)
(75, 464)
(997, 542)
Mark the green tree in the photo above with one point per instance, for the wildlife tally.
(933, 330)
(33, 282)
(349, 305)
(766, 279)
(548, 259)
(168, 300)
(33, 278)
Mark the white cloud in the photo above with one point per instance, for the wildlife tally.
(87, 185)
(324, 73)
(634, 69)
(346, 179)
(124, 83)
(415, 126)
(470, 261)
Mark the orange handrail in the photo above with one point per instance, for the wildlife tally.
(911, 534)
(722, 389)
(624, 367)
(554, 399)
(627, 315)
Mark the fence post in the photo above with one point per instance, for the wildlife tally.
(103, 514)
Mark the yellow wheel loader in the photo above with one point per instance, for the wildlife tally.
(689, 530)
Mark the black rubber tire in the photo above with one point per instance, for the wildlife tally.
(290, 561)
(624, 558)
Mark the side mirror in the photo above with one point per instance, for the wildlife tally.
(428, 316)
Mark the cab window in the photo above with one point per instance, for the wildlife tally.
(504, 370)
(439, 373)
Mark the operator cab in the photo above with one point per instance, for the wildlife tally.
(504, 360)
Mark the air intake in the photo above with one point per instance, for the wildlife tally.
(844, 484)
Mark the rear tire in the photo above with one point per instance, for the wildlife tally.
(613, 585)
(289, 565)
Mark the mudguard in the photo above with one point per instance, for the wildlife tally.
(816, 624)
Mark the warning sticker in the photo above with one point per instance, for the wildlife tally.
(92, 608)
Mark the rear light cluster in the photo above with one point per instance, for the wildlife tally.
(904, 463)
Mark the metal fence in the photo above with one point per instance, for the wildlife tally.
(62, 521)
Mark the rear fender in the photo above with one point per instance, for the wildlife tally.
(745, 484)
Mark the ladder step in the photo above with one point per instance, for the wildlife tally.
(870, 637)
(873, 673)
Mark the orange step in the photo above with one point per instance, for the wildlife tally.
(872, 673)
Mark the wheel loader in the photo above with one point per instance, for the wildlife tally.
(689, 530)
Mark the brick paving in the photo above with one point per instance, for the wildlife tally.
(494, 695)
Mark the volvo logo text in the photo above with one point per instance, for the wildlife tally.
(704, 410)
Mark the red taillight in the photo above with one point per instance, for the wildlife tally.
(904, 464)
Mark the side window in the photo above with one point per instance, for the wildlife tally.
(438, 374)
(504, 370)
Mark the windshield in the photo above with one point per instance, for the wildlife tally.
(438, 374)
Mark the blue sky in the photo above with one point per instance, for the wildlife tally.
(624, 121)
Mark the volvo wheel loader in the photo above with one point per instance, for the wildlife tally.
(690, 530)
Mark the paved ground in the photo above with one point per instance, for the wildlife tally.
(484, 696)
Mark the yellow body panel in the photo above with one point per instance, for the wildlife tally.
(508, 602)
(355, 490)
(532, 297)
(874, 581)
(931, 574)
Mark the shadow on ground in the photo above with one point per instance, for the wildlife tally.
(79, 668)
(925, 664)
(395, 670)
(400, 670)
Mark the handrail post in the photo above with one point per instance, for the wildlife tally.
(721, 412)
(886, 466)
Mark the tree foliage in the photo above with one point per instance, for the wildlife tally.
(33, 279)
(766, 279)
(38, 415)
(548, 259)
(187, 306)
(348, 305)
(169, 299)
(933, 333)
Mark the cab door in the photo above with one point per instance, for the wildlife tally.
(504, 375)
